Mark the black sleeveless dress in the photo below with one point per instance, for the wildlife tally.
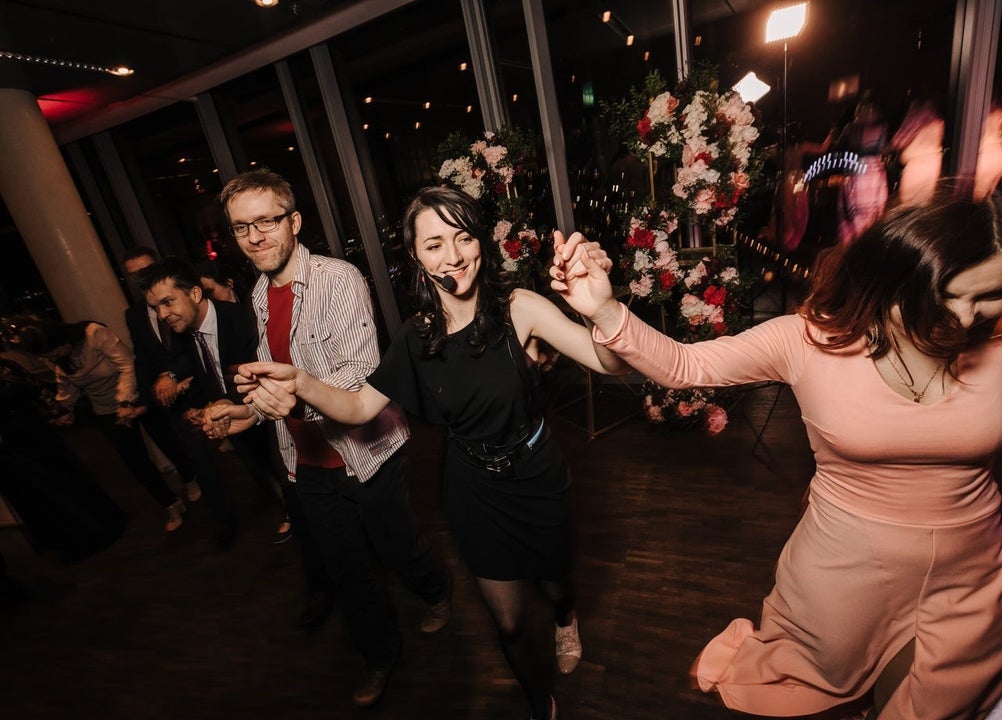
(510, 525)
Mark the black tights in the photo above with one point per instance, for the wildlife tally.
(506, 602)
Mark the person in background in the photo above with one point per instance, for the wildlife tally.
(897, 370)
(919, 144)
(863, 194)
(463, 361)
(89, 359)
(220, 282)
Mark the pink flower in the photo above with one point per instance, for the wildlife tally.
(685, 409)
(716, 419)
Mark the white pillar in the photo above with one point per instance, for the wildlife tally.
(42, 199)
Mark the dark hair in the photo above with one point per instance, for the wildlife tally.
(222, 273)
(904, 261)
(140, 251)
(492, 320)
(170, 268)
(41, 335)
(260, 180)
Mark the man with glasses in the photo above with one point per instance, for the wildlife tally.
(315, 312)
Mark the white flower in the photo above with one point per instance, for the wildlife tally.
(641, 260)
(510, 264)
(692, 309)
(729, 274)
(695, 275)
(661, 108)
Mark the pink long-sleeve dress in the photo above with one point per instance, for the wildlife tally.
(901, 538)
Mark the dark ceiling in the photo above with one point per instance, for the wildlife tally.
(161, 40)
(164, 41)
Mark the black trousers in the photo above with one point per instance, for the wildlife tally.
(128, 443)
(202, 454)
(342, 512)
(157, 423)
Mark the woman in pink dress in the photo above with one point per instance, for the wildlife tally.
(899, 380)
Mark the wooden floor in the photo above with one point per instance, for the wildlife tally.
(678, 533)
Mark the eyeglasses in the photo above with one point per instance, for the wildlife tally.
(264, 225)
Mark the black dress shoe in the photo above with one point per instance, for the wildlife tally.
(318, 606)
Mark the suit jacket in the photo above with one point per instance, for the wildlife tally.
(237, 338)
(153, 358)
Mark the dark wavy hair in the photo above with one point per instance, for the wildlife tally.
(492, 320)
(169, 268)
(906, 261)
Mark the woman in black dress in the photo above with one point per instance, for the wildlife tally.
(462, 361)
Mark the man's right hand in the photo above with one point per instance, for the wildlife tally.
(166, 390)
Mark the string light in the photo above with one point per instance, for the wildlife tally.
(116, 70)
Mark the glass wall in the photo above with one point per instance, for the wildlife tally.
(599, 52)
(174, 177)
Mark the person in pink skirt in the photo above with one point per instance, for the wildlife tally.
(897, 369)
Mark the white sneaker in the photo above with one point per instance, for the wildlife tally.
(568, 644)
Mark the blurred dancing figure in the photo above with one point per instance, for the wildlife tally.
(864, 193)
(919, 144)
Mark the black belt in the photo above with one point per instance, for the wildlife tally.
(499, 458)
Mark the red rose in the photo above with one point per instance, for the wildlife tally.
(720, 328)
(667, 279)
(513, 247)
(644, 128)
(641, 238)
(534, 244)
(715, 295)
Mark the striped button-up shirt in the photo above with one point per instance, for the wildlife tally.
(333, 337)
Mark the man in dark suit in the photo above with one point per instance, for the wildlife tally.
(217, 338)
(172, 292)
(162, 368)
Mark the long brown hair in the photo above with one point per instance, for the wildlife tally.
(904, 261)
(492, 320)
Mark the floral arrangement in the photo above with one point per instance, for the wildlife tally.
(689, 408)
(519, 250)
(487, 169)
(486, 164)
(712, 299)
(706, 135)
(649, 261)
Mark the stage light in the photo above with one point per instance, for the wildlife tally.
(750, 88)
(786, 22)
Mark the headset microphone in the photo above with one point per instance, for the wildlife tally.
(447, 282)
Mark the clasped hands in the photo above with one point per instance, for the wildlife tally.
(270, 393)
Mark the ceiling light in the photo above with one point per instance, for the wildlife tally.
(469, 108)
(629, 40)
(266, 3)
(462, 66)
(118, 70)
(368, 100)
(417, 126)
(607, 16)
(427, 106)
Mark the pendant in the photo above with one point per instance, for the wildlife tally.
(917, 398)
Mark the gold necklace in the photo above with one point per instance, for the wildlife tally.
(910, 386)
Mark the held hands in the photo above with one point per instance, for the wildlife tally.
(166, 389)
(223, 418)
(580, 273)
(270, 387)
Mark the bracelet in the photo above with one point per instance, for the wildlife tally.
(170, 374)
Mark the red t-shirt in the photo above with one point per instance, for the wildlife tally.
(311, 447)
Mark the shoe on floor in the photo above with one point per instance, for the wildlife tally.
(371, 689)
(193, 490)
(568, 644)
(437, 616)
(174, 512)
(283, 533)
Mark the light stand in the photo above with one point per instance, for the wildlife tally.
(783, 24)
